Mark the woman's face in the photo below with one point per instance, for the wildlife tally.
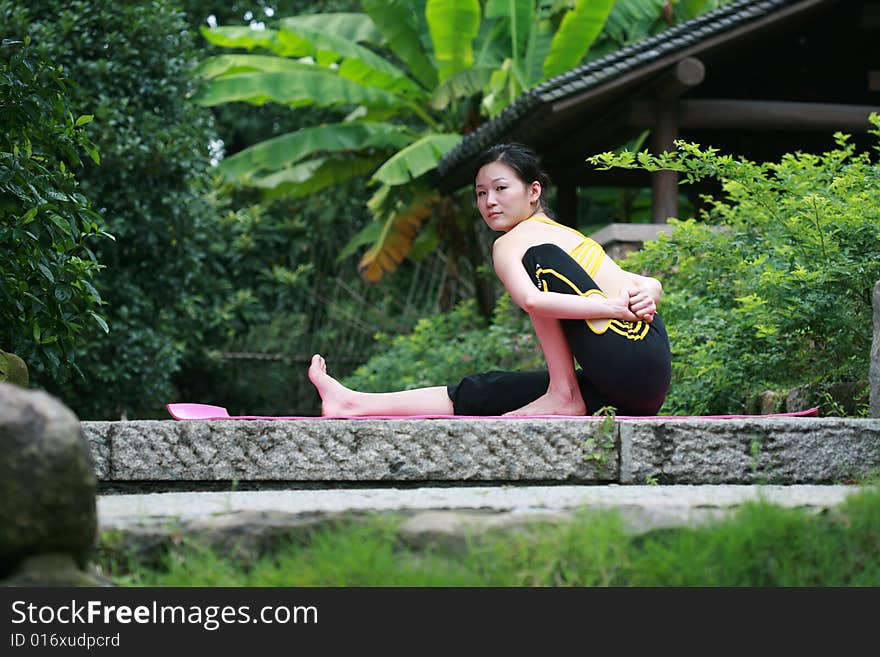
(502, 198)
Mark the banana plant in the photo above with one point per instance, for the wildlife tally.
(404, 110)
(409, 77)
(536, 50)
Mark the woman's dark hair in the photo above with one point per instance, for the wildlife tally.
(523, 160)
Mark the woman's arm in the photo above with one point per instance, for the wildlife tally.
(644, 296)
(508, 267)
(650, 286)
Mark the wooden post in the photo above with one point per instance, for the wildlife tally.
(664, 184)
(684, 76)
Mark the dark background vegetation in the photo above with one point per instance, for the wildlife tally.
(220, 296)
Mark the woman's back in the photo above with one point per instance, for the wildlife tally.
(540, 230)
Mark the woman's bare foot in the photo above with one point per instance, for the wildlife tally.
(553, 404)
(336, 399)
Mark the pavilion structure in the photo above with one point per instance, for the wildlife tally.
(755, 78)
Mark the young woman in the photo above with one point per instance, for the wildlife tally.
(582, 305)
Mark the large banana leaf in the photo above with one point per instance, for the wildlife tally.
(228, 65)
(369, 234)
(453, 24)
(575, 35)
(502, 89)
(631, 20)
(469, 82)
(397, 234)
(396, 22)
(416, 159)
(283, 151)
(492, 45)
(692, 8)
(359, 64)
(537, 48)
(356, 27)
(250, 39)
(519, 17)
(314, 175)
(320, 87)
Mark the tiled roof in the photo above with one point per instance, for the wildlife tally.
(596, 73)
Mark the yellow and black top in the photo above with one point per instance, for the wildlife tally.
(588, 254)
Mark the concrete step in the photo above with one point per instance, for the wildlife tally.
(252, 522)
(590, 450)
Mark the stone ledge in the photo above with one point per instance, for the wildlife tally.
(674, 451)
(619, 240)
(640, 233)
(348, 450)
(749, 451)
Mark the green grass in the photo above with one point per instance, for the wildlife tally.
(761, 545)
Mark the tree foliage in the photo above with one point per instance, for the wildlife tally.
(132, 63)
(48, 229)
(417, 76)
(773, 289)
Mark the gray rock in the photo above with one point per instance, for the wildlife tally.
(875, 356)
(769, 401)
(243, 535)
(47, 480)
(801, 398)
(456, 531)
(842, 399)
(53, 570)
(846, 398)
(249, 525)
(318, 453)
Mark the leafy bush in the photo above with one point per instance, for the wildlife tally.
(445, 347)
(132, 63)
(779, 293)
(771, 290)
(47, 226)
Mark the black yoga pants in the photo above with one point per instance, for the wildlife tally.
(628, 366)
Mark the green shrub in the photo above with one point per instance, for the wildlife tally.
(132, 64)
(773, 289)
(48, 229)
(445, 347)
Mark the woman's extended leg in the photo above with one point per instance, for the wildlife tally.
(337, 400)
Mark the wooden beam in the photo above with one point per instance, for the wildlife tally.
(778, 19)
(758, 115)
(684, 76)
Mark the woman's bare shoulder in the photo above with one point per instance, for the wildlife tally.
(518, 238)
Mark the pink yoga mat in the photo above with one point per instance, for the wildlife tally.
(209, 412)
